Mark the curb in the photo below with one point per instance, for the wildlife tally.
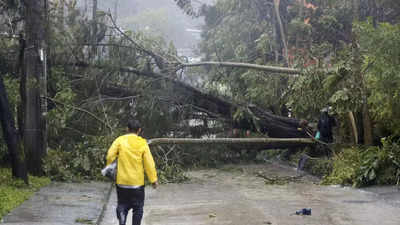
(106, 200)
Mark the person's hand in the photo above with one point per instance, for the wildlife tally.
(155, 185)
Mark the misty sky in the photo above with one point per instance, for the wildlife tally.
(158, 17)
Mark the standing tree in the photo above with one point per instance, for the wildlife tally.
(11, 136)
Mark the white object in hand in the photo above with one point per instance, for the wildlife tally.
(110, 171)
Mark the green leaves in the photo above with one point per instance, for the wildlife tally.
(363, 167)
(243, 31)
(83, 163)
(381, 48)
(13, 192)
(331, 81)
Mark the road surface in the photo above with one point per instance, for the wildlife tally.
(238, 195)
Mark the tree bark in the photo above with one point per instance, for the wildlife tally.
(367, 125)
(34, 132)
(281, 28)
(354, 127)
(11, 136)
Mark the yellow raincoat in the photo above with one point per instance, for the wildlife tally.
(134, 158)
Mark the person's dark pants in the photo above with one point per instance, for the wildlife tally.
(130, 199)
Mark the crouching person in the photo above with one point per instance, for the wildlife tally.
(134, 159)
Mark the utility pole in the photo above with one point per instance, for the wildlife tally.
(35, 84)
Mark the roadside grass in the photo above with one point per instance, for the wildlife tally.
(13, 192)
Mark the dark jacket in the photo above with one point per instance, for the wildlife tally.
(325, 125)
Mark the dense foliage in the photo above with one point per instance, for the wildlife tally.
(242, 31)
(367, 166)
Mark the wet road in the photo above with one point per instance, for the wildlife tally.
(236, 195)
(61, 204)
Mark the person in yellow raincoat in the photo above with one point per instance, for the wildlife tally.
(134, 159)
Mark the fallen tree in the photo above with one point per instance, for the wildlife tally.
(262, 120)
(258, 119)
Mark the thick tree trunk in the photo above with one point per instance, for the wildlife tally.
(11, 136)
(35, 22)
(367, 125)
